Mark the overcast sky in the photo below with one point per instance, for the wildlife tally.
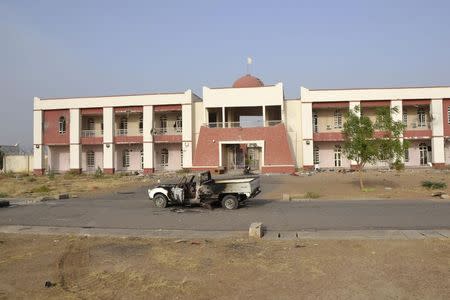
(81, 48)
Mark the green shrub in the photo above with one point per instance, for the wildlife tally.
(3, 195)
(98, 173)
(31, 179)
(311, 195)
(51, 175)
(398, 165)
(434, 185)
(41, 189)
(10, 174)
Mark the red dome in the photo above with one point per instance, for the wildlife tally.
(248, 81)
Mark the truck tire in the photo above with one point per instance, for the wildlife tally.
(160, 201)
(230, 202)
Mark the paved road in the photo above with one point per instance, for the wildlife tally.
(136, 211)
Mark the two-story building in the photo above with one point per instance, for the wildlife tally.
(247, 124)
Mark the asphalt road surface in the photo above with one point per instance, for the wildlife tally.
(135, 211)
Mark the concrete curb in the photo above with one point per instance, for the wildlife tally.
(268, 235)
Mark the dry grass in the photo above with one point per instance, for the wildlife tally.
(406, 184)
(114, 268)
(31, 186)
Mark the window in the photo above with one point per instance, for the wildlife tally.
(90, 159)
(126, 158)
(181, 156)
(423, 154)
(406, 155)
(62, 125)
(337, 119)
(164, 157)
(421, 118)
(315, 123)
(337, 156)
(179, 124)
(163, 123)
(141, 123)
(142, 159)
(123, 127)
(405, 117)
(91, 124)
(316, 155)
(448, 115)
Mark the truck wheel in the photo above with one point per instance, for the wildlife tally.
(160, 201)
(230, 202)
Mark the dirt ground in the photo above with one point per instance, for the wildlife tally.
(323, 185)
(132, 268)
(379, 185)
(32, 186)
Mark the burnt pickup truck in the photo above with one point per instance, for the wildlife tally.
(204, 191)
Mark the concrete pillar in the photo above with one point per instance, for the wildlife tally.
(108, 140)
(437, 127)
(186, 147)
(352, 106)
(38, 151)
(307, 134)
(264, 115)
(75, 146)
(398, 117)
(223, 117)
(148, 140)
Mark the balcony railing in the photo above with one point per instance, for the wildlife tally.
(121, 132)
(167, 131)
(243, 124)
(416, 125)
(129, 132)
(91, 133)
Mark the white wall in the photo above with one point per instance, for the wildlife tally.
(58, 158)
(174, 157)
(18, 163)
(135, 157)
(373, 94)
(98, 156)
(241, 97)
(294, 129)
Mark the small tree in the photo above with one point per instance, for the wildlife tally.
(367, 143)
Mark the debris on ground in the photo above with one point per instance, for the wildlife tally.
(4, 203)
(49, 284)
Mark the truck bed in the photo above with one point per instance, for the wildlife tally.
(248, 186)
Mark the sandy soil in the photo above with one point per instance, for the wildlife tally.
(33, 186)
(114, 268)
(379, 184)
(324, 185)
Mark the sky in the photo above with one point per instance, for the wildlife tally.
(67, 48)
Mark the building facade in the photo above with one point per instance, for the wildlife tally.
(248, 124)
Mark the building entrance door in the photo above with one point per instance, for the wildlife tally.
(423, 153)
(239, 156)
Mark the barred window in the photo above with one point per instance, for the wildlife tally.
(90, 159)
(448, 114)
(337, 119)
(421, 118)
(181, 156)
(337, 156)
(316, 155)
(406, 155)
(405, 117)
(62, 125)
(126, 158)
(164, 157)
(315, 123)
